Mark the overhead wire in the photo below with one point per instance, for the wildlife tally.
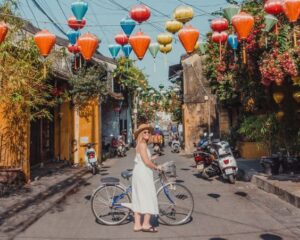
(30, 9)
(63, 12)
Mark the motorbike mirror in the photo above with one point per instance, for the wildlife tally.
(211, 134)
(205, 134)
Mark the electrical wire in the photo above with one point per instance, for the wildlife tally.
(30, 9)
(199, 9)
(63, 12)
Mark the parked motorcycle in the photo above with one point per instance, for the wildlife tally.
(157, 149)
(121, 147)
(175, 144)
(224, 163)
(91, 158)
(202, 156)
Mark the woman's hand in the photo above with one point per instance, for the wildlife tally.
(159, 168)
(154, 157)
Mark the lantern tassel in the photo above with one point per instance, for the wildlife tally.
(75, 62)
(234, 55)
(276, 29)
(266, 41)
(154, 66)
(165, 58)
(295, 37)
(45, 70)
(244, 54)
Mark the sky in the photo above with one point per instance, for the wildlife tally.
(103, 19)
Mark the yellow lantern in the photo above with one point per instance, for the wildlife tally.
(296, 79)
(164, 38)
(173, 26)
(197, 46)
(278, 97)
(183, 14)
(165, 49)
(280, 115)
(296, 96)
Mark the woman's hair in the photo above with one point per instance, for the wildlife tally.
(140, 137)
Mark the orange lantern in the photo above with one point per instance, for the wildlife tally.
(243, 24)
(188, 37)
(45, 42)
(278, 97)
(88, 43)
(3, 31)
(291, 9)
(139, 43)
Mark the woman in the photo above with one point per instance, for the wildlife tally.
(144, 199)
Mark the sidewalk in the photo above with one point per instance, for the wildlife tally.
(23, 208)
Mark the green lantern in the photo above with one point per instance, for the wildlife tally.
(153, 49)
(203, 47)
(231, 10)
(270, 21)
(161, 86)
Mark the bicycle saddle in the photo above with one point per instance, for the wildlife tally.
(126, 174)
(108, 180)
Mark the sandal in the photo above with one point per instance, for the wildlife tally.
(137, 230)
(150, 229)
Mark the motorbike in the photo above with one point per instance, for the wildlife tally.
(113, 147)
(91, 158)
(157, 149)
(202, 155)
(224, 163)
(121, 148)
(175, 144)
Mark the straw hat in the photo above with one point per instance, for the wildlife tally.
(141, 128)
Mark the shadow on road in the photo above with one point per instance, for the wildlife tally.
(269, 236)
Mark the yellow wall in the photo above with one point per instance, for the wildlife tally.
(252, 150)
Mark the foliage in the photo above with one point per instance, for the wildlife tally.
(88, 84)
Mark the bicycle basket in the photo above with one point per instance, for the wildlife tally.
(169, 168)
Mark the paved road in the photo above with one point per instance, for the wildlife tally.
(222, 211)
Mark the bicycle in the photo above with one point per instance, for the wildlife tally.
(111, 202)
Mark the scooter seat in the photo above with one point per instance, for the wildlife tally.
(126, 174)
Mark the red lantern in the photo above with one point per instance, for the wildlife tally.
(291, 9)
(73, 48)
(139, 43)
(188, 37)
(75, 24)
(219, 24)
(3, 31)
(243, 24)
(140, 13)
(121, 39)
(273, 6)
(45, 42)
(219, 37)
(88, 43)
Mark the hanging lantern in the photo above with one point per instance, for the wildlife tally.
(75, 24)
(296, 79)
(270, 22)
(164, 39)
(183, 14)
(121, 39)
(219, 24)
(165, 49)
(273, 7)
(266, 83)
(231, 10)
(127, 49)
(88, 43)
(279, 115)
(114, 50)
(173, 26)
(140, 13)
(296, 96)
(219, 37)
(153, 49)
(161, 86)
(278, 97)
(233, 41)
(291, 9)
(73, 36)
(188, 37)
(3, 31)
(197, 46)
(73, 48)
(243, 24)
(139, 43)
(79, 9)
(45, 42)
(127, 24)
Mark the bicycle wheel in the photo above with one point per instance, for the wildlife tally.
(175, 203)
(105, 210)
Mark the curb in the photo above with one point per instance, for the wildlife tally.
(271, 187)
(39, 214)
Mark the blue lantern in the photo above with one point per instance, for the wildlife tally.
(79, 9)
(114, 50)
(233, 41)
(127, 24)
(73, 36)
(126, 50)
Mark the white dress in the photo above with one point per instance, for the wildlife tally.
(144, 199)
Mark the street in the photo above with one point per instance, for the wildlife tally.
(222, 211)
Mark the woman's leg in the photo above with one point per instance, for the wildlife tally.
(146, 223)
(137, 221)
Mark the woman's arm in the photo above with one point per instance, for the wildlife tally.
(145, 158)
